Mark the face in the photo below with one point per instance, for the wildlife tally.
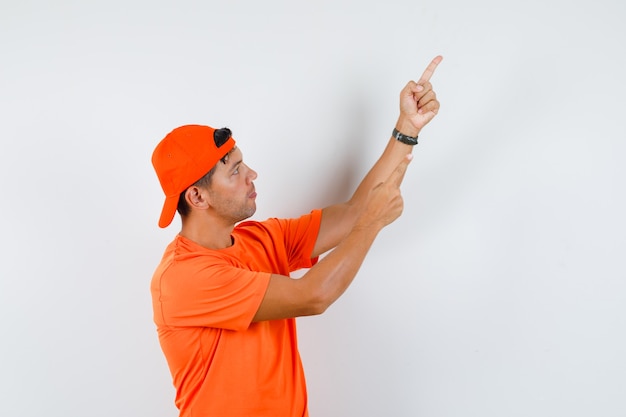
(232, 194)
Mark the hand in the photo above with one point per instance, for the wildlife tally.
(418, 102)
(385, 203)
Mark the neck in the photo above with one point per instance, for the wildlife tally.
(210, 234)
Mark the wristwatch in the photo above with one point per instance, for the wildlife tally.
(409, 140)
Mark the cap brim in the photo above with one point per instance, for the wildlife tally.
(169, 209)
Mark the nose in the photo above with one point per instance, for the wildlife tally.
(251, 174)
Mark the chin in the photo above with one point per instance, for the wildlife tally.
(247, 214)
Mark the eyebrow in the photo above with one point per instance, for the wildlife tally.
(235, 165)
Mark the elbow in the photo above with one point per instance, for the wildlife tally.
(318, 302)
(316, 309)
(316, 294)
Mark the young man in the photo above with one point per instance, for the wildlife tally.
(224, 304)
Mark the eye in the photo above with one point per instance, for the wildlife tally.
(236, 171)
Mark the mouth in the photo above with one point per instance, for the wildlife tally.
(252, 195)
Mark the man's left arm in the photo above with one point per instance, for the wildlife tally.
(418, 106)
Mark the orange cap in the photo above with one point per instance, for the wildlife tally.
(184, 156)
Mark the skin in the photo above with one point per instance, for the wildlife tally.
(348, 228)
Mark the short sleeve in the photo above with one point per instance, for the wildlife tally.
(300, 236)
(210, 293)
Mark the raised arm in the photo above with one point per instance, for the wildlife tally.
(328, 279)
(418, 106)
(351, 227)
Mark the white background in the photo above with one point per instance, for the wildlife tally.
(499, 292)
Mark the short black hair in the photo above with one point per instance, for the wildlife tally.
(220, 137)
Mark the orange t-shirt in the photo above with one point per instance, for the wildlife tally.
(204, 301)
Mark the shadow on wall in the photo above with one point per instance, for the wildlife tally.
(348, 159)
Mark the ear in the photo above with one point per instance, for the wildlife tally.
(197, 197)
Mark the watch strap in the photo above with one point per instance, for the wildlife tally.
(409, 140)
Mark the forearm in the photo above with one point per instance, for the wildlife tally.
(418, 106)
(329, 278)
(339, 219)
(314, 292)
(389, 159)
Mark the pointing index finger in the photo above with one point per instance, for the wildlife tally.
(397, 175)
(430, 70)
